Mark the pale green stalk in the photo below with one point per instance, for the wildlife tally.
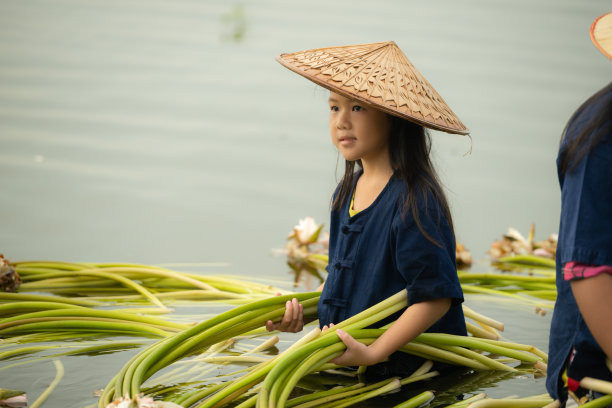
(415, 378)
(205, 334)
(165, 273)
(60, 373)
(392, 386)
(518, 346)
(248, 403)
(528, 260)
(93, 313)
(600, 402)
(26, 297)
(53, 265)
(471, 342)
(126, 282)
(505, 278)
(467, 401)
(604, 387)
(478, 289)
(511, 403)
(235, 359)
(496, 365)
(321, 394)
(255, 375)
(445, 356)
(342, 394)
(479, 332)
(189, 399)
(317, 358)
(419, 400)
(542, 294)
(468, 312)
(8, 309)
(89, 325)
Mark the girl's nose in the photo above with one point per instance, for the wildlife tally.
(342, 121)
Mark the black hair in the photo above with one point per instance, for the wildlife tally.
(575, 147)
(409, 152)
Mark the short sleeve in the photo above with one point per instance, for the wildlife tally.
(586, 223)
(429, 270)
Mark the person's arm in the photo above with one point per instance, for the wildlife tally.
(415, 320)
(293, 319)
(594, 298)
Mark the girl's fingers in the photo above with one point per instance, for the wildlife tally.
(292, 320)
(296, 308)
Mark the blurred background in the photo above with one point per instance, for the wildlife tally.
(165, 132)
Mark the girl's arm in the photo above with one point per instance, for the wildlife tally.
(293, 319)
(417, 318)
(594, 298)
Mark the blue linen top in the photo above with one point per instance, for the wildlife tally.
(380, 251)
(585, 236)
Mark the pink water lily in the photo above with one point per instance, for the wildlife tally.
(17, 401)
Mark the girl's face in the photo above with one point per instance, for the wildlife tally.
(357, 130)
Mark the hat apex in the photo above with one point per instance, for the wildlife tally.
(378, 74)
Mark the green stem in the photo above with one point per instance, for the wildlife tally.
(58, 376)
(423, 398)
(23, 297)
(86, 326)
(472, 342)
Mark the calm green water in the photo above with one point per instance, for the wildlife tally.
(164, 131)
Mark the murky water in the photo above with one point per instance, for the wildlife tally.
(164, 132)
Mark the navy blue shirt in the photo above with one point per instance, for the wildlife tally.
(585, 236)
(380, 251)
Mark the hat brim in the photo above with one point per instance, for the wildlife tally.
(415, 101)
(601, 34)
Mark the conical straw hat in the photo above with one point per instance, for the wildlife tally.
(378, 74)
(601, 34)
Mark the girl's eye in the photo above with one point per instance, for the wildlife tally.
(357, 108)
(334, 108)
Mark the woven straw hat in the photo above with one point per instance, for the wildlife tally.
(601, 34)
(378, 74)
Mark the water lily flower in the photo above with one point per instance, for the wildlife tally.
(514, 243)
(462, 255)
(141, 402)
(9, 278)
(307, 231)
(15, 402)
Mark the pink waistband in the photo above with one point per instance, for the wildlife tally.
(576, 270)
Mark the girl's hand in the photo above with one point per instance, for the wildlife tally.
(356, 354)
(293, 319)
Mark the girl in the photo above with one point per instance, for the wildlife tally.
(581, 328)
(391, 226)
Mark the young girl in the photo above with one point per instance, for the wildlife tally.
(391, 227)
(581, 328)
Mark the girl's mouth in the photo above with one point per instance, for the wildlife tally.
(346, 141)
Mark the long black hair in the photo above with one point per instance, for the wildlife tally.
(576, 147)
(409, 149)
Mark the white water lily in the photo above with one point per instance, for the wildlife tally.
(307, 231)
(141, 402)
(514, 243)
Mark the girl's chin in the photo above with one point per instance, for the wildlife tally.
(350, 157)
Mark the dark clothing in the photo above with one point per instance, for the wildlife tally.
(378, 252)
(585, 236)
